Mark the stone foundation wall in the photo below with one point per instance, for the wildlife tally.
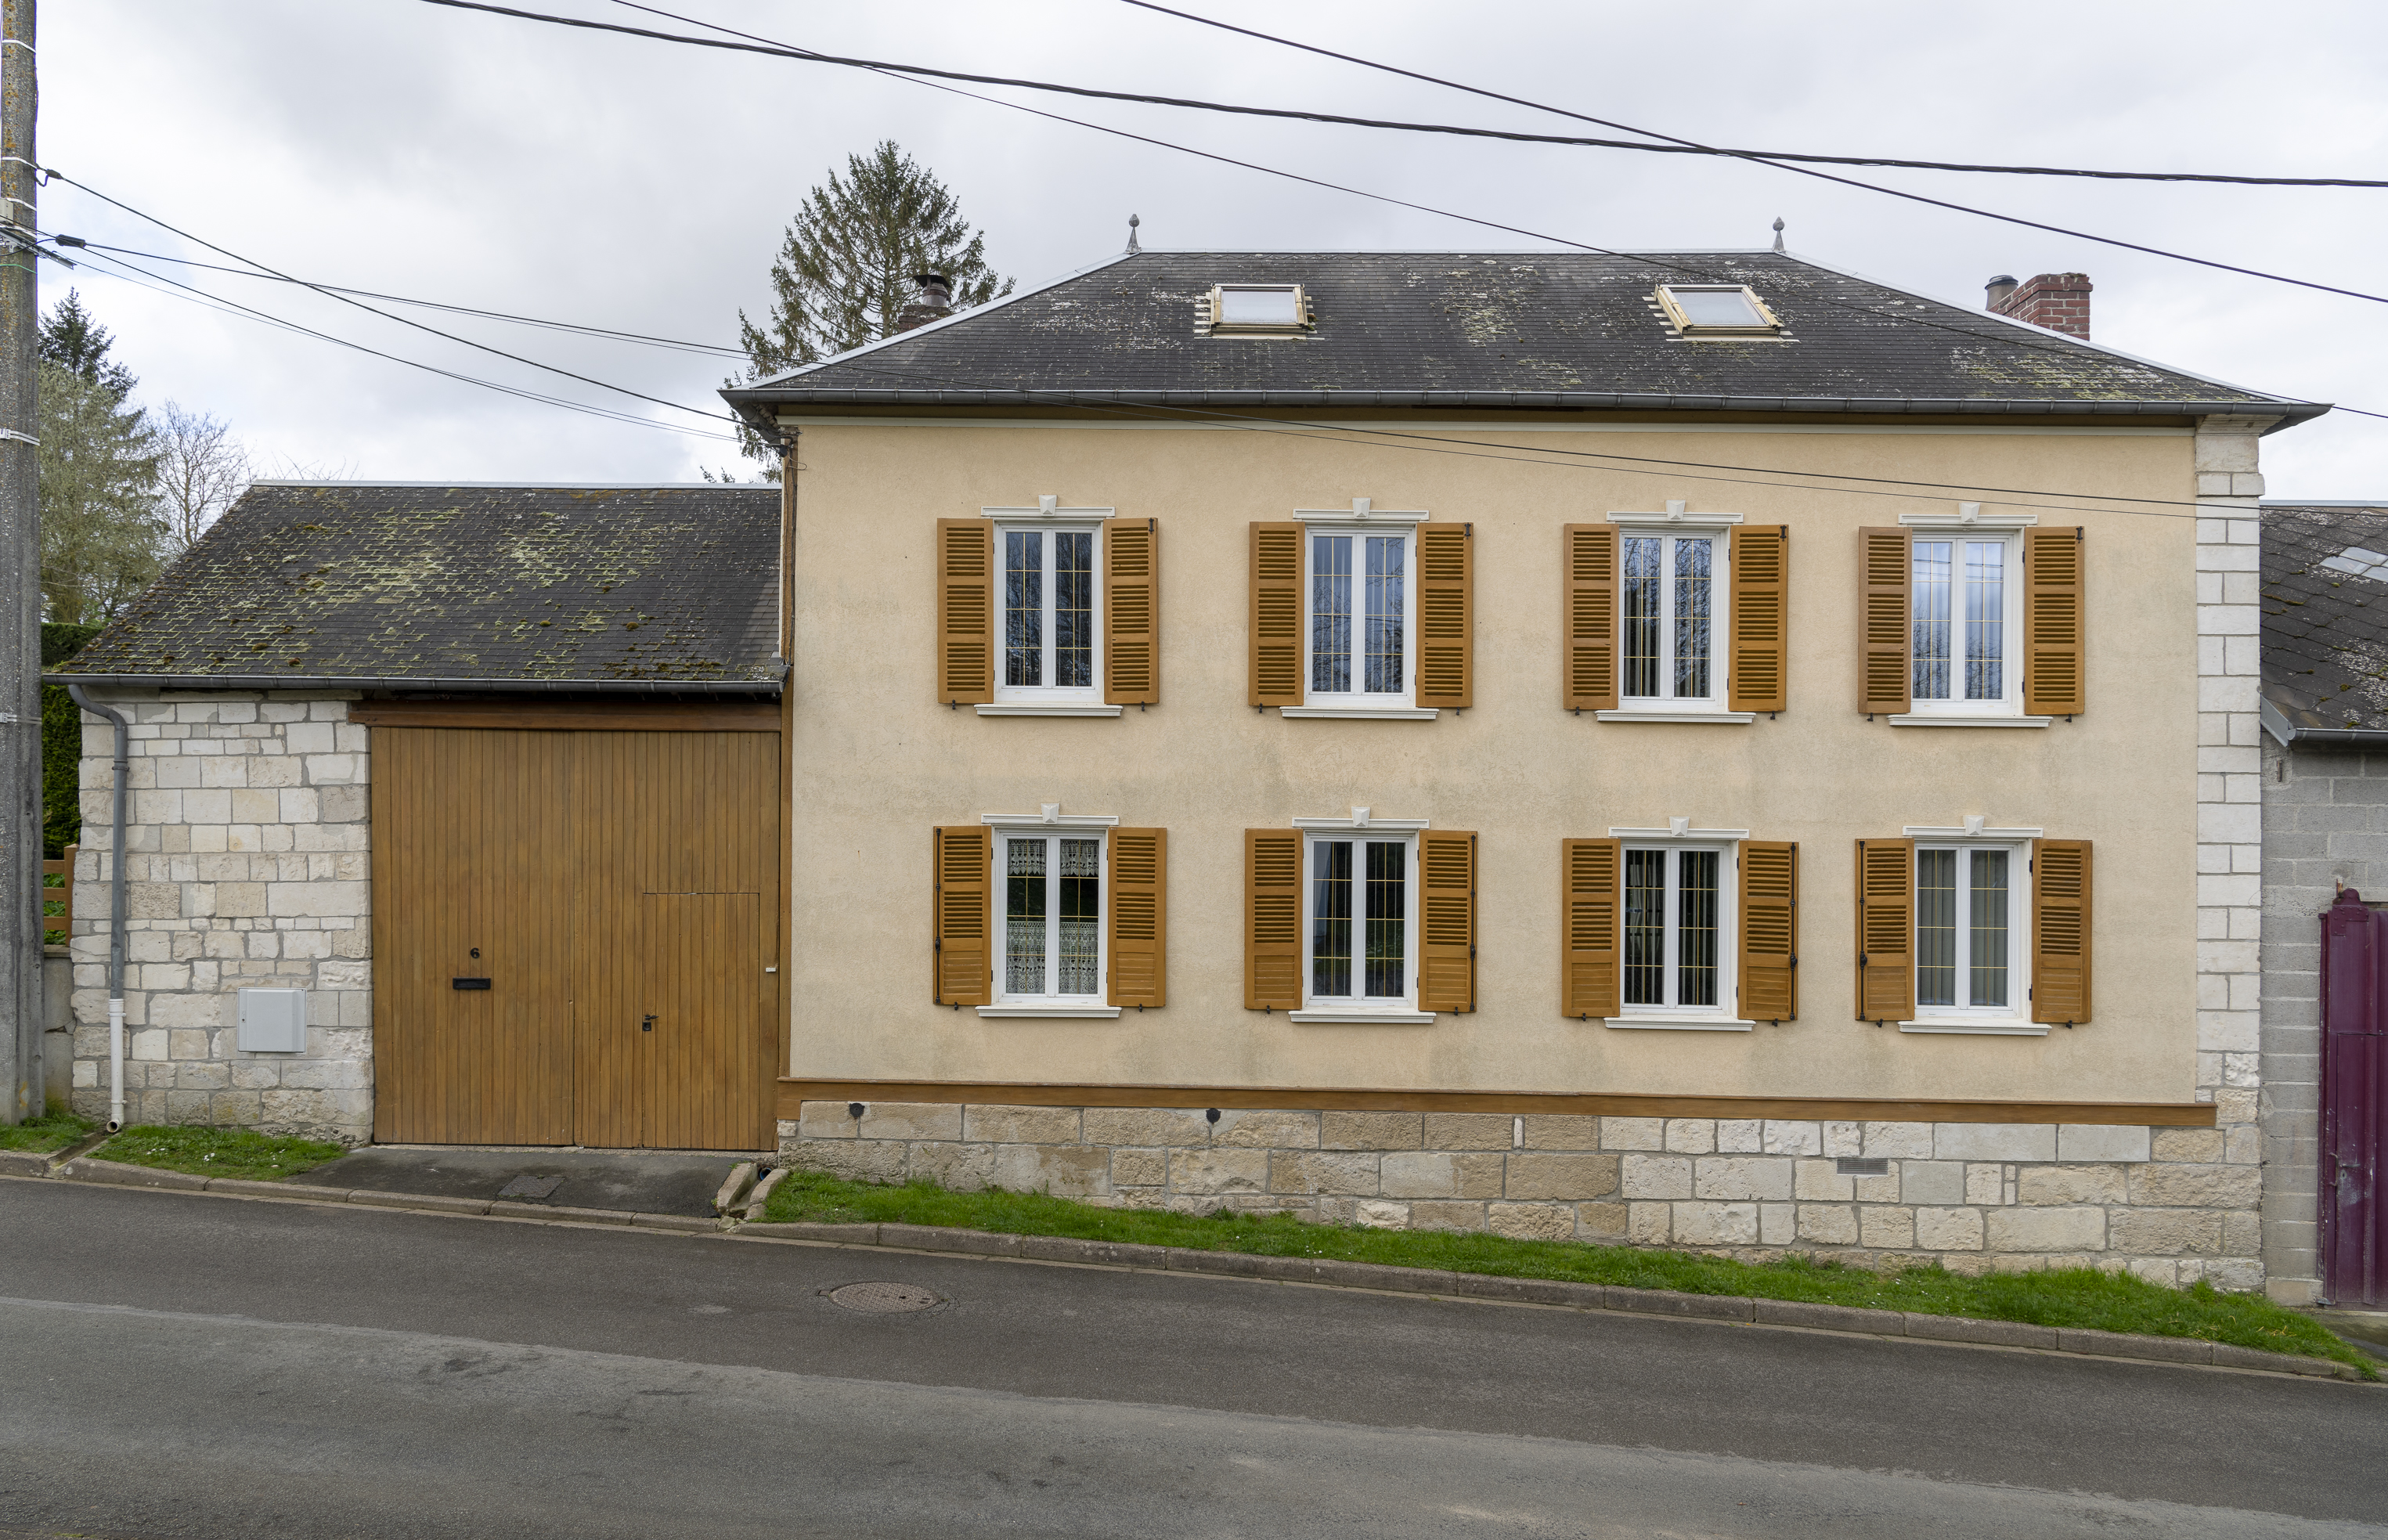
(2170, 1204)
(245, 863)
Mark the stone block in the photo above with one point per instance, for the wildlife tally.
(1371, 1130)
(1530, 1221)
(1146, 1126)
(2095, 1141)
(1063, 1170)
(315, 899)
(1216, 1171)
(1900, 1140)
(1931, 1182)
(1631, 1133)
(1738, 1136)
(1605, 1222)
(1266, 1129)
(1821, 1181)
(855, 1160)
(1649, 1224)
(1775, 1226)
(2051, 1186)
(1142, 1169)
(1716, 1224)
(150, 900)
(1778, 1138)
(1011, 1125)
(1655, 1176)
(1948, 1230)
(910, 1120)
(1561, 1131)
(2047, 1230)
(1994, 1141)
(1460, 1216)
(1691, 1136)
(1986, 1183)
(1419, 1174)
(1741, 1176)
(1844, 1138)
(2183, 1186)
(1888, 1225)
(1468, 1130)
(2167, 1232)
(959, 1167)
(1828, 1224)
(1562, 1176)
(1376, 1213)
(308, 737)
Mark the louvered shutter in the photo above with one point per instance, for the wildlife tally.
(1446, 586)
(1769, 930)
(1588, 978)
(1886, 635)
(965, 611)
(1277, 614)
(2060, 931)
(2053, 668)
(1761, 634)
(1139, 916)
(1272, 919)
(1590, 621)
(1447, 921)
(1885, 930)
(1132, 612)
(963, 874)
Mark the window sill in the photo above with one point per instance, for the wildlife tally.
(1361, 1018)
(1057, 1012)
(1933, 718)
(1057, 708)
(1679, 1023)
(1663, 716)
(1364, 713)
(1984, 1026)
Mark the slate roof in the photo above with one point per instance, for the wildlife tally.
(663, 589)
(1548, 330)
(2325, 596)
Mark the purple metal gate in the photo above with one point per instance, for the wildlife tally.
(2353, 1101)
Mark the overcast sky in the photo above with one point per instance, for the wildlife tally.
(487, 161)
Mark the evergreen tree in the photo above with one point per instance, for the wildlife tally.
(843, 272)
(101, 529)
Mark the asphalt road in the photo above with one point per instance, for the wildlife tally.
(186, 1366)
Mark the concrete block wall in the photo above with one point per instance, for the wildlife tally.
(2173, 1205)
(246, 863)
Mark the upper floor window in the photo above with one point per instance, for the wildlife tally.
(1965, 609)
(1671, 586)
(1051, 623)
(1259, 308)
(1716, 310)
(1359, 604)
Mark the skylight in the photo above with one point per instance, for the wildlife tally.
(2357, 561)
(1716, 310)
(1280, 308)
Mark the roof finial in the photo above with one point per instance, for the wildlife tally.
(1778, 232)
(1132, 246)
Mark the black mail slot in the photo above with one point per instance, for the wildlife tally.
(468, 984)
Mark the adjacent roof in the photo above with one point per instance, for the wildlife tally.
(2325, 595)
(649, 588)
(1549, 330)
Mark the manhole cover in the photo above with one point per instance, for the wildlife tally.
(536, 1187)
(884, 1299)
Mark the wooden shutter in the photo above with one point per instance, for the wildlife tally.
(1272, 919)
(1769, 930)
(1761, 636)
(1447, 921)
(2060, 931)
(1588, 977)
(1887, 636)
(963, 876)
(1277, 614)
(1139, 916)
(1446, 586)
(1885, 930)
(965, 611)
(1589, 682)
(2053, 662)
(1132, 612)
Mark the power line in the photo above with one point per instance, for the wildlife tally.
(499, 352)
(883, 67)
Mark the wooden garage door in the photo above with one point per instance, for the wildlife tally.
(603, 877)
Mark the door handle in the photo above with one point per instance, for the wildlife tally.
(648, 1024)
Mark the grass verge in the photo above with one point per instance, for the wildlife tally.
(2078, 1297)
(44, 1134)
(205, 1152)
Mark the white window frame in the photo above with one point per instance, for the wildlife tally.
(1675, 519)
(2014, 1019)
(2010, 700)
(1047, 700)
(1361, 520)
(1361, 828)
(1723, 1016)
(1047, 824)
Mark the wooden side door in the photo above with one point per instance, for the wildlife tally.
(700, 992)
(2353, 1103)
(470, 852)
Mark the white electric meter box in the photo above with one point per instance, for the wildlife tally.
(272, 1020)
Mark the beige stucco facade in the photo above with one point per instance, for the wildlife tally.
(878, 761)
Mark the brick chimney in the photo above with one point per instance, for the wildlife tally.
(934, 302)
(2058, 300)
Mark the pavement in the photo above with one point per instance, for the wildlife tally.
(196, 1365)
(2366, 1328)
(635, 1181)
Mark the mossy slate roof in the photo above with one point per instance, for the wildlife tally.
(671, 588)
(2325, 599)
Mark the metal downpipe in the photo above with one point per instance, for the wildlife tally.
(115, 907)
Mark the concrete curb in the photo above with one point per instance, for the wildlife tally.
(1541, 1290)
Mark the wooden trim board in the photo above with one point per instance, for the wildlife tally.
(794, 1091)
(573, 716)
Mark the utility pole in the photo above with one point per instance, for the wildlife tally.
(20, 580)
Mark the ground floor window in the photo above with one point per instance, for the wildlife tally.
(1052, 916)
(1673, 939)
(1964, 927)
(1360, 941)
